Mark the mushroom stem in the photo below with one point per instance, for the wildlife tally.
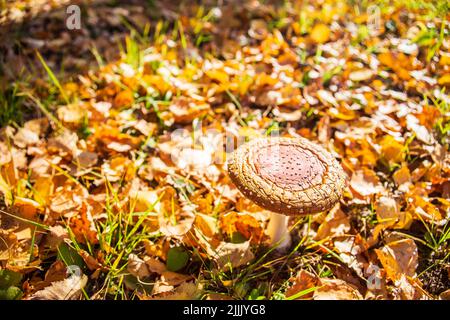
(278, 231)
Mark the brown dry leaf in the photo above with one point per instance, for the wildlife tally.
(68, 289)
(56, 272)
(175, 218)
(38, 126)
(185, 291)
(365, 182)
(409, 289)
(64, 144)
(114, 140)
(91, 262)
(225, 254)
(445, 295)
(158, 249)
(422, 206)
(154, 265)
(303, 281)
(57, 234)
(389, 215)
(336, 289)
(399, 258)
(174, 279)
(8, 180)
(118, 168)
(185, 111)
(351, 250)
(16, 254)
(258, 29)
(146, 201)
(41, 166)
(67, 198)
(336, 224)
(137, 267)
(218, 296)
(402, 178)
(5, 154)
(444, 80)
(170, 228)
(25, 137)
(326, 289)
(232, 255)
(387, 211)
(86, 159)
(144, 127)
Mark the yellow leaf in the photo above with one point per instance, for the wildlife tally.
(43, 188)
(445, 59)
(218, 75)
(444, 80)
(391, 149)
(320, 33)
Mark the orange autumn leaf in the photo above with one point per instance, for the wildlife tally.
(444, 80)
(243, 223)
(124, 99)
(83, 226)
(391, 149)
(26, 208)
(320, 33)
(399, 258)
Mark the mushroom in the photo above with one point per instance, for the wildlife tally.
(287, 176)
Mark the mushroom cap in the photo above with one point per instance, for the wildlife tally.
(291, 176)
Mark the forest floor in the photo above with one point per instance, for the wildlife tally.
(113, 177)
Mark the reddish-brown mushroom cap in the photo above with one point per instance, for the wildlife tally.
(291, 176)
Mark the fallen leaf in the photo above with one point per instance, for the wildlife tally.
(421, 131)
(137, 267)
(154, 265)
(336, 289)
(320, 33)
(68, 289)
(365, 182)
(399, 258)
(303, 281)
(336, 224)
(361, 75)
